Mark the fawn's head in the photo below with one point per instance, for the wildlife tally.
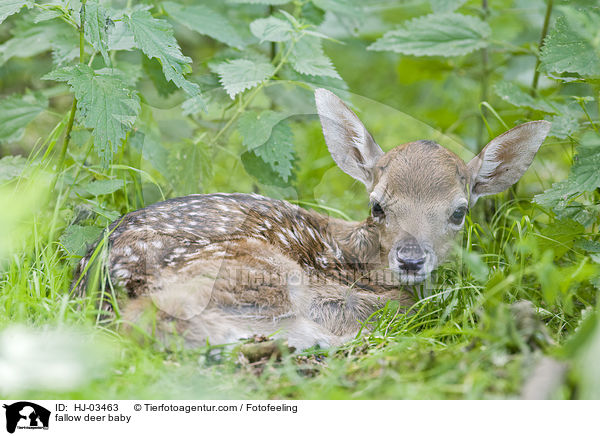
(420, 192)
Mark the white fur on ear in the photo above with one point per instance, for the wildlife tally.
(350, 144)
(505, 159)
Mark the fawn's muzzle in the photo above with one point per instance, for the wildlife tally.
(410, 256)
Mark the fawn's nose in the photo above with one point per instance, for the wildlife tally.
(410, 255)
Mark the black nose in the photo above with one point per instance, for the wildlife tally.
(411, 256)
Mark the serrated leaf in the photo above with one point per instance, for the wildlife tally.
(95, 28)
(278, 151)
(205, 21)
(256, 128)
(563, 126)
(566, 50)
(76, 238)
(101, 187)
(11, 167)
(194, 105)
(308, 58)
(271, 29)
(585, 170)
(16, 112)
(155, 38)
(121, 37)
(9, 7)
(449, 34)
(240, 74)
(512, 94)
(32, 39)
(442, 6)
(584, 176)
(105, 104)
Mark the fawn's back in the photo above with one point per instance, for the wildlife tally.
(219, 267)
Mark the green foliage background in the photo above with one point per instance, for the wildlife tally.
(107, 106)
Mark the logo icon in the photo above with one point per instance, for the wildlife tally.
(26, 415)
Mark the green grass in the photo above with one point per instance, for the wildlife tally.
(463, 341)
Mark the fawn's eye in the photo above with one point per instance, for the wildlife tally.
(377, 210)
(458, 215)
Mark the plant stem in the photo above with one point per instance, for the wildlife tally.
(536, 73)
(63, 151)
(484, 74)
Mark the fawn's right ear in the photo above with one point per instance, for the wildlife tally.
(352, 147)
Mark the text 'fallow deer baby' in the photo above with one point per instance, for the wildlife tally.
(220, 267)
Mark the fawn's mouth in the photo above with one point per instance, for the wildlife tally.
(412, 278)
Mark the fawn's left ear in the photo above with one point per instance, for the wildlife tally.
(506, 158)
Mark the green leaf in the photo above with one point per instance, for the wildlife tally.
(105, 104)
(101, 187)
(353, 8)
(585, 170)
(194, 105)
(153, 70)
(205, 21)
(584, 176)
(308, 58)
(95, 29)
(442, 6)
(563, 126)
(16, 112)
(240, 74)
(9, 7)
(565, 50)
(271, 29)
(121, 37)
(278, 151)
(511, 93)
(256, 128)
(448, 34)
(31, 39)
(155, 38)
(190, 164)
(76, 238)
(11, 167)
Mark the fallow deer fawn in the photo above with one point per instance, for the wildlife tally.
(220, 267)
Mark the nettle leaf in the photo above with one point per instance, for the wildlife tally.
(584, 176)
(585, 170)
(240, 74)
(16, 112)
(308, 58)
(121, 37)
(511, 93)
(194, 105)
(448, 34)
(278, 151)
(155, 38)
(76, 238)
(31, 39)
(256, 128)
(271, 29)
(205, 21)
(11, 167)
(10, 7)
(441, 6)
(566, 50)
(563, 126)
(105, 104)
(95, 28)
